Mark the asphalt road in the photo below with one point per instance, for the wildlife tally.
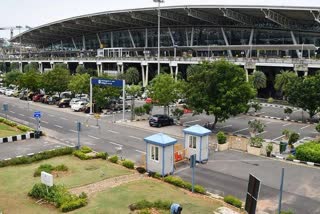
(225, 173)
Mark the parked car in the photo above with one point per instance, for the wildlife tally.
(148, 100)
(16, 93)
(3, 90)
(116, 105)
(79, 106)
(63, 103)
(36, 98)
(9, 92)
(159, 120)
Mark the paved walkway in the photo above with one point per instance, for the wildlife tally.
(107, 183)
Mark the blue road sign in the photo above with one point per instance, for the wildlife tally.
(37, 114)
(106, 82)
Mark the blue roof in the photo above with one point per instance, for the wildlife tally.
(160, 139)
(197, 130)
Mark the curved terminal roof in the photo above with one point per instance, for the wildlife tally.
(264, 17)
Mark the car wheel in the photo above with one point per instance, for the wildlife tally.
(159, 125)
(63, 106)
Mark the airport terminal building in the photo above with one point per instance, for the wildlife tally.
(256, 37)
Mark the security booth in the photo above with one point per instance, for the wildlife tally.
(159, 153)
(196, 141)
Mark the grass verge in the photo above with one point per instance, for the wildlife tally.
(6, 131)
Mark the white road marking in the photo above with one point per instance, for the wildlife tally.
(261, 133)
(305, 127)
(287, 124)
(113, 131)
(140, 151)
(73, 131)
(116, 144)
(62, 118)
(193, 121)
(42, 121)
(58, 126)
(12, 112)
(278, 137)
(222, 127)
(94, 137)
(240, 130)
(269, 122)
(138, 138)
(21, 115)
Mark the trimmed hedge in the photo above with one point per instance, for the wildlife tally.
(177, 181)
(86, 149)
(221, 137)
(230, 199)
(14, 124)
(24, 128)
(114, 159)
(309, 152)
(102, 155)
(144, 204)
(128, 164)
(59, 196)
(37, 157)
(49, 168)
(81, 155)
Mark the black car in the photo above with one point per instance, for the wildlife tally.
(63, 103)
(160, 120)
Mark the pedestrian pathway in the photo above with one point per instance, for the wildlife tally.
(107, 183)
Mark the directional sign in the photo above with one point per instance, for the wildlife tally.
(192, 161)
(37, 114)
(46, 179)
(5, 107)
(106, 82)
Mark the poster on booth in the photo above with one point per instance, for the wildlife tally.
(47, 179)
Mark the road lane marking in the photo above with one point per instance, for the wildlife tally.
(62, 118)
(192, 121)
(269, 122)
(222, 127)
(140, 151)
(287, 124)
(12, 112)
(113, 131)
(42, 121)
(261, 133)
(116, 144)
(22, 115)
(73, 131)
(138, 138)
(94, 137)
(305, 127)
(240, 130)
(278, 137)
(58, 126)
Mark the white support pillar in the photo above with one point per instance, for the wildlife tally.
(143, 79)
(171, 71)
(122, 67)
(306, 73)
(191, 39)
(40, 69)
(147, 74)
(21, 67)
(99, 40)
(226, 41)
(176, 74)
(83, 42)
(249, 53)
(74, 44)
(98, 69)
(111, 39)
(247, 74)
(295, 43)
(146, 38)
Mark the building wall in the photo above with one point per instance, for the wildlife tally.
(154, 166)
(168, 159)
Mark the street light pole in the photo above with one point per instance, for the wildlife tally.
(159, 16)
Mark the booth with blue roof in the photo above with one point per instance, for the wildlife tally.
(196, 141)
(159, 153)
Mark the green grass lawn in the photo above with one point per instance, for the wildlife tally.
(6, 130)
(117, 200)
(17, 181)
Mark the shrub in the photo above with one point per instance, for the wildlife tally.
(147, 108)
(43, 167)
(291, 157)
(114, 159)
(141, 170)
(256, 142)
(270, 100)
(269, 147)
(24, 128)
(294, 137)
(177, 113)
(74, 204)
(233, 201)
(61, 167)
(286, 133)
(102, 155)
(139, 111)
(221, 137)
(128, 164)
(199, 189)
(287, 212)
(256, 126)
(309, 152)
(318, 127)
(81, 155)
(9, 123)
(177, 181)
(144, 204)
(1, 119)
(257, 106)
(287, 111)
(86, 149)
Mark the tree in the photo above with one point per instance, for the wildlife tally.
(31, 66)
(132, 75)
(12, 77)
(79, 84)
(218, 88)
(61, 65)
(56, 80)
(133, 91)
(255, 126)
(305, 93)
(102, 95)
(283, 79)
(163, 90)
(14, 66)
(80, 69)
(32, 79)
(259, 80)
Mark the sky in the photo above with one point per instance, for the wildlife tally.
(37, 12)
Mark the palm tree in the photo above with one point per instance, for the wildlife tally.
(283, 79)
(132, 75)
(259, 80)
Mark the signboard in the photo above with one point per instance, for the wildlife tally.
(192, 161)
(46, 179)
(78, 126)
(252, 194)
(106, 82)
(37, 114)
(5, 107)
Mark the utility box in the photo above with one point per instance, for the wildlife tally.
(159, 154)
(196, 141)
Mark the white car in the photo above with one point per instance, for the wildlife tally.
(3, 90)
(9, 92)
(78, 106)
(74, 101)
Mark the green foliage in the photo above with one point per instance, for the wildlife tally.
(32, 80)
(56, 80)
(259, 80)
(177, 181)
(133, 91)
(33, 66)
(37, 157)
(132, 75)
(102, 155)
(147, 107)
(286, 133)
(81, 155)
(43, 167)
(304, 93)
(59, 196)
(81, 69)
(101, 95)
(221, 137)
(269, 147)
(270, 100)
(9, 123)
(257, 106)
(61, 65)
(61, 167)
(177, 112)
(24, 128)
(12, 77)
(139, 111)
(79, 84)
(233, 201)
(294, 137)
(287, 212)
(128, 164)
(141, 170)
(144, 204)
(290, 157)
(283, 79)
(86, 149)
(287, 111)
(114, 159)
(256, 142)
(318, 127)
(256, 126)
(309, 152)
(218, 88)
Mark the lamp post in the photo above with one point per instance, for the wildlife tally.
(159, 16)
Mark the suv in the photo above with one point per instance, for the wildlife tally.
(160, 120)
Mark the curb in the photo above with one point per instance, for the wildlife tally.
(296, 161)
(114, 112)
(279, 106)
(278, 118)
(10, 139)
